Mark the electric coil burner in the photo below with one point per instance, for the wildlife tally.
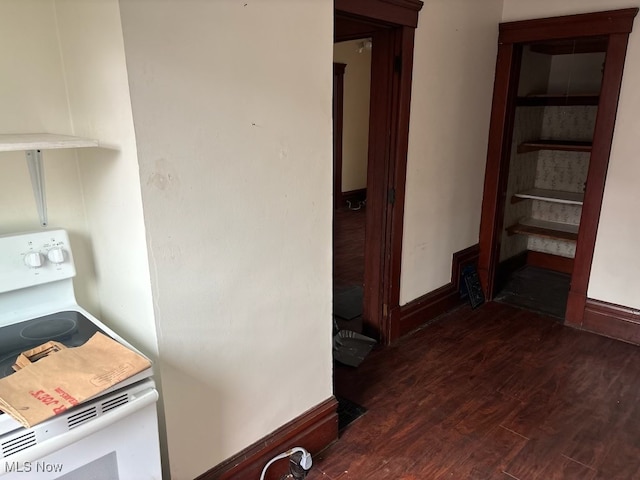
(111, 436)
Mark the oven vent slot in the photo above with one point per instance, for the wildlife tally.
(81, 417)
(115, 402)
(17, 444)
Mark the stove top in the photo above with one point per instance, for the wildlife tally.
(70, 328)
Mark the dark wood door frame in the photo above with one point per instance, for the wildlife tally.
(391, 25)
(338, 110)
(616, 26)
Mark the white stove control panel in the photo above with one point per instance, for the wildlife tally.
(30, 259)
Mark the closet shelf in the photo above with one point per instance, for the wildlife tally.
(550, 100)
(559, 145)
(554, 196)
(543, 228)
(33, 144)
(42, 141)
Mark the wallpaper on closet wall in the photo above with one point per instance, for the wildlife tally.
(565, 171)
(561, 248)
(522, 176)
(569, 123)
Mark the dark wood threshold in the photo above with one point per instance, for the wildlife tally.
(441, 300)
(611, 320)
(548, 261)
(313, 430)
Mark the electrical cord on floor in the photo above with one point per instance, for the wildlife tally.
(299, 466)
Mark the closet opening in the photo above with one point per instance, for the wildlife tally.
(554, 120)
(554, 108)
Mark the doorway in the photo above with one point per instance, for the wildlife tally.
(523, 148)
(351, 99)
(391, 29)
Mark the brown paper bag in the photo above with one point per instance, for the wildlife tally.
(58, 382)
(31, 356)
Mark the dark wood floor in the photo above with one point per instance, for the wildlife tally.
(493, 393)
(348, 247)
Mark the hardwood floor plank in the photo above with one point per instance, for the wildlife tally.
(488, 458)
(491, 393)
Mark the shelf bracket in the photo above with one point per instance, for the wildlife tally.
(34, 161)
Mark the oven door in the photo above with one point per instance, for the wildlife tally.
(119, 446)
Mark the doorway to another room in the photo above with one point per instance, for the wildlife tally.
(352, 82)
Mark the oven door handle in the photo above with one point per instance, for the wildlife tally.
(47, 447)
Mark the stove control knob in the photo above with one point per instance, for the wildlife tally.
(33, 259)
(56, 255)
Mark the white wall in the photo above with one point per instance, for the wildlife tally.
(355, 130)
(232, 110)
(616, 264)
(95, 71)
(33, 98)
(454, 64)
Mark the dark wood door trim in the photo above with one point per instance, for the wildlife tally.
(598, 165)
(376, 242)
(389, 12)
(404, 43)
(616, 25)
(497, 169)
(569, 26)
(338, 110)
(394, 24)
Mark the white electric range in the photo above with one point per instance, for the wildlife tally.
(111, 436)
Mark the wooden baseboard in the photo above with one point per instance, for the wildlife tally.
(611, 320)
(439, 301)
(353, 196)
(550, 262)
(313, 430)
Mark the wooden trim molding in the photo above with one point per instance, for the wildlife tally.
(569, 26)
(597, 174)
(397, 12)
(497, 168)
(396, 180)
(338, 124)
(313, 430)
(611, 320)
(441, 300)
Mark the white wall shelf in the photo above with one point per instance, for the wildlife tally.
(33, 144)
(554, 196)
(42, 141)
